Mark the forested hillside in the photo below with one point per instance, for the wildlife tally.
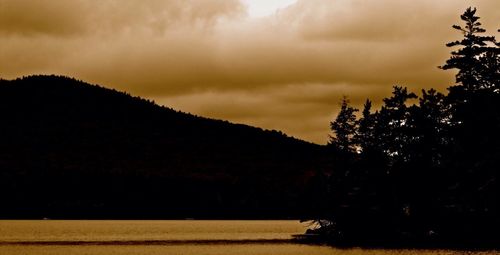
(73, 150)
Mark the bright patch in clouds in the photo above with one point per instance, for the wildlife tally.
(261, 8)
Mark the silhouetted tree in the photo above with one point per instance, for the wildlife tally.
(366, 131)
(475, 119)
(424, 172)
(344, 128)
(431, 120)
(473, 47)
(392, 124)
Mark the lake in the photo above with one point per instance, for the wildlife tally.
(50, 237)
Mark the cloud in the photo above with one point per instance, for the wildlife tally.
(285, 71)
(53, 17)
(83, 17)
(372, 21)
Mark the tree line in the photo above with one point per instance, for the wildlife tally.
(422, 167)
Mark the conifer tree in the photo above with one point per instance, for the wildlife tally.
(473, 47)
(393, 123)
(366, 133)
(344, 128)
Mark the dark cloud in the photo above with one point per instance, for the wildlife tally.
(80, 17)
(53, 17)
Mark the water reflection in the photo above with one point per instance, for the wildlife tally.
(169, 237)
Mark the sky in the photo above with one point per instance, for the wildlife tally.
(275, 64)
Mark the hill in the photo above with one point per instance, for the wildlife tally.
(73, 150)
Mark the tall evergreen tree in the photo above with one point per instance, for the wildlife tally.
(467, 59)
(344, 128)
(366, 133)
(473, 128)
(392, 124)
(427, 158)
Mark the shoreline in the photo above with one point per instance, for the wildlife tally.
(459, 245)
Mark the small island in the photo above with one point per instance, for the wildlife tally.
(421, 171)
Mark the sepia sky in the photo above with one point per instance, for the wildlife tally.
(275, 64)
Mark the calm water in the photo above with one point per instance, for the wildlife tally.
(167, 237)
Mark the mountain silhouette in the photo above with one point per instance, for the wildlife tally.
(74, 150)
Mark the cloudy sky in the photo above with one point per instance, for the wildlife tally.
(276, 64)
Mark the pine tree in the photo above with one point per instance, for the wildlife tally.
(467, 59)
(366, 133)
(392, 123)
(344, 128)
